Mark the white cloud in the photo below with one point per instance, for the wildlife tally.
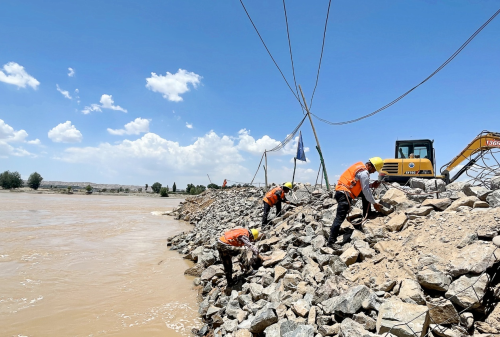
(16, 75)
(65, 133)
(106, 103)
(249, 144)
(154, 153)
(71, 72)
(189, 126)
(65, 93)
(34, 142)
(8, 136)
(173, 85)
(223, 157)
(92, 107)
(77, 91)
(137, 126)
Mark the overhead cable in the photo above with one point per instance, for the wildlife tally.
(288, 138)
(291, 55)
(321, 55)
(415, 87)
(267, 49)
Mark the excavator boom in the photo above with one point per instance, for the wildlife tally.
(484, 142)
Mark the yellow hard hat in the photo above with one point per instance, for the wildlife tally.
(288, 185)
(255, 233)
(377, 162)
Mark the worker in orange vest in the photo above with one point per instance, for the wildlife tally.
(353, 182)
(230, 244)
(274, 198)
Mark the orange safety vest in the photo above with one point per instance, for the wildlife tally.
(231, 237)
(271, 198)
(347, 181)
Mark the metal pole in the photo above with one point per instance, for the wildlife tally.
(294, 167)
(317, 140)
(265, 168)
(209, 178)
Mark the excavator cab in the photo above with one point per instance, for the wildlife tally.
(412, 158)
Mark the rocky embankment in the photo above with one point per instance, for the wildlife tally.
(427, 269)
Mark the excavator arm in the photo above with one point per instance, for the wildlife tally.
(485, 141)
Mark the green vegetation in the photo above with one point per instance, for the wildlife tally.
(191, 189)
(164, 192)
(146, 188)
(174, 188)
(156, 187)
(9, 180)
(88, 188)
(34, 180)
(214, 186)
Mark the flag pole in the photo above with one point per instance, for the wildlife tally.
(294, 166)
(318, 147)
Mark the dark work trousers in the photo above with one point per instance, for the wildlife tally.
(245, 257)
(226, 254)
(344, 203)
(267, 209)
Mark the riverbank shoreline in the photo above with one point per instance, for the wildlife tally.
(82, 192)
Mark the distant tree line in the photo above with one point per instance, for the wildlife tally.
(10, 180)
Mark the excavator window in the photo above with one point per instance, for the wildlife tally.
(418, 149)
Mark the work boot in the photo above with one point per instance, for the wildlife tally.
(335, 246)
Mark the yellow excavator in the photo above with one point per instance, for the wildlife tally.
(417, 158)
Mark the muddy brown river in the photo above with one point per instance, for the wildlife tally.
(91, 266)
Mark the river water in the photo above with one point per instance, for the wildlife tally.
(91, 266)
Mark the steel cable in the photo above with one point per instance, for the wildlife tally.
(291, 55)
(321, 55)
(415, 87)
(272, 58)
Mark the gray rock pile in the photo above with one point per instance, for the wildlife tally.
(427, 269)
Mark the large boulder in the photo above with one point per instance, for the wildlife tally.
(411, 292)
(349, 256)
(263, 320)
(468, 290)
(417, 183)
(473, 259)
(276, 256)
(347, 303)
(433, 279)
(350, 328)
(495, 183)
(494, 199)
(438, 204)
(477, 191)
(396, 223)
(464, 201)
(301, 331)
(435, 185)
(403, 319)
(394, 197)
(442, 311)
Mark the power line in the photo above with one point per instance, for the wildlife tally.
(415, 87)
(267, 49)
(288, 138)
(290, 49)
(321, 55)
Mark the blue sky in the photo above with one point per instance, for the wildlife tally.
(216, 101)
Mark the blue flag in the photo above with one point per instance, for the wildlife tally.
(301, 155)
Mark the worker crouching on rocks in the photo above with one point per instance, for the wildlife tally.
(274, 198)
(230, 244)
(353, 182)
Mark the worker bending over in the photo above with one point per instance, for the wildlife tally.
(230, 244)
(353, 182)
(274, 198)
